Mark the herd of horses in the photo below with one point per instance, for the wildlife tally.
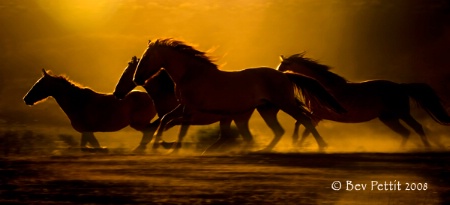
(185, 87)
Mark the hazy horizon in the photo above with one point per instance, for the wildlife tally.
(92, 41)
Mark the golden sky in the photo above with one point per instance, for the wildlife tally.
(92, 41)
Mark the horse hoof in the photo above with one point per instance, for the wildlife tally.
(171, 152)
(139, 150)
(167, 145)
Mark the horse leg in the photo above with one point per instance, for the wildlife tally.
(306, 132)
(183, 131)
(395, 125)
(83, 140)
(408, 119)
(90, 138)
(147, 136)
(185, 122)
(300, 116)
(295, 133)
(175, 113)
(225, 133)
(242, 126)
(170, 124)
(309, 125)
(269, 114)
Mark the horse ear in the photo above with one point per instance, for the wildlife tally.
(44, 72)
(134, 58)
(149, 41)
(282, 58)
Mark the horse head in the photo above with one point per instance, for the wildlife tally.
(40, 90)
(300, 64)
(151, 62)
(126, 84)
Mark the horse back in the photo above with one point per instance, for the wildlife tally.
(264, 84)
(365, 100)
(379, 88)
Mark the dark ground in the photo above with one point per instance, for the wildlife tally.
(300, 178)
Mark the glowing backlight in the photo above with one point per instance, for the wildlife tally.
(81, 13)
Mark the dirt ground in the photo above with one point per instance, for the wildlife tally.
(252, 178)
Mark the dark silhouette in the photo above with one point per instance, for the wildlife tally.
(364, 101)
(90, 111)
(202, 88)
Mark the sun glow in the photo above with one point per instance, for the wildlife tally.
(80, 14)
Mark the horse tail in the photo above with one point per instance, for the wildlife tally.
(313, 92)
(427, 98)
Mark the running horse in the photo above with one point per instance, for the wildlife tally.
(388, 101)
(162, 91)
(90, 111)
(202, 88)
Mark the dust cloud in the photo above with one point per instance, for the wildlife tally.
(91, 42)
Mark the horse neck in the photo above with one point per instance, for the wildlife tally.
(71, 99)
(184, 68)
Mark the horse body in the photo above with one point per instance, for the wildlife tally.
(364, 101)
(258, 83)
(89, 111)
(93, 113)
(79, 106)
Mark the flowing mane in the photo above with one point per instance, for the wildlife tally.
(320, 69)
(65, 80)
(184, 48)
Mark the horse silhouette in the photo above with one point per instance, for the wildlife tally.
(388, 101)
(202, 88)
(90, 111)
